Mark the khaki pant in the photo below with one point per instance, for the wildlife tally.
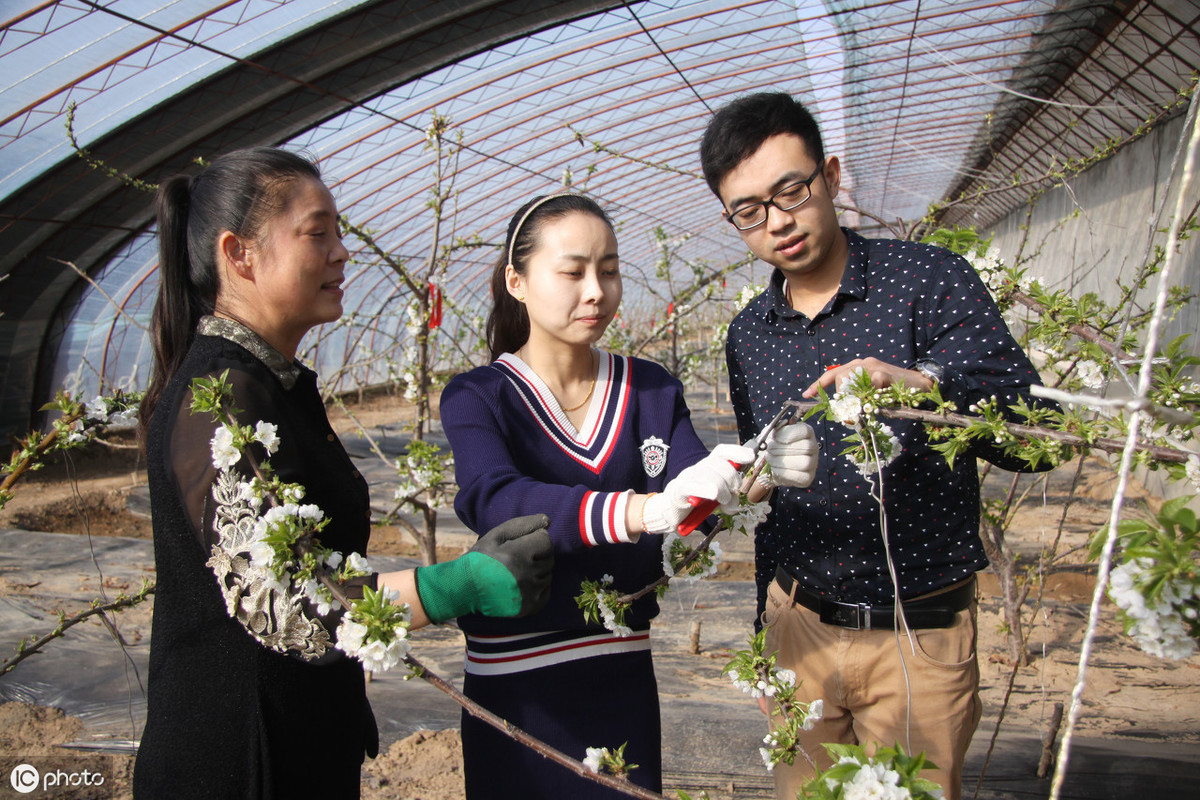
(860, 675)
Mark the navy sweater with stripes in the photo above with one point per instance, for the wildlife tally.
(515, 453)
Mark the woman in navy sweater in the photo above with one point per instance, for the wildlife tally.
(604, 446)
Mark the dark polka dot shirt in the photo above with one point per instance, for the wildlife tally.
(898, 302)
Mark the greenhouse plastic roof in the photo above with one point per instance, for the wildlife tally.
(924, 100)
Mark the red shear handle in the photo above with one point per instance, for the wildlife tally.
(701, 510)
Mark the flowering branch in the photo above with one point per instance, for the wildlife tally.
(889, 774)
(1080, 329)
(260, 559)
(755, 673)
(78, 424)
(1157, 584)
(1018, 431)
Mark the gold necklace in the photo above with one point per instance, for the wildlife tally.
(587, 397)
(591, 389)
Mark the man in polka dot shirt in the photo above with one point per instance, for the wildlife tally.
(903, 312)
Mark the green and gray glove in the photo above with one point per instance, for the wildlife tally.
(506, 574)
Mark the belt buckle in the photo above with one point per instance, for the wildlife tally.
(855, 617)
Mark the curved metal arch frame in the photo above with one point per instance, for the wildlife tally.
(73, 213)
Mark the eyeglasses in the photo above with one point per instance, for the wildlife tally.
(791, 196)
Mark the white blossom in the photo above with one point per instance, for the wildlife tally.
(310, 512)
(816, 711)
(262, 555)
(76, 435)
(1157, 626)
(745, 295)
(265, 433)
(749, 516)
(609, 618)
(248, 493)
(97, 409)
(357, 563)
(1193, 469)
(1091, 374)
(874, 781)
(278, 514)
(375, 655)
(319, 595)
(224, 453)
(990, 268)
(123, 419)
(845, 409)
(350, 635)
(592, 759)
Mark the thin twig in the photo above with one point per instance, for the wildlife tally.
(104, 294)
(125, 601)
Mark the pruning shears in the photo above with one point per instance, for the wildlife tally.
(703, 507)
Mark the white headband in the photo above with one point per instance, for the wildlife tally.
(512, 244)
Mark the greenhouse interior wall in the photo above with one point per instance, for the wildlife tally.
(1120, 203)
(1122, 214)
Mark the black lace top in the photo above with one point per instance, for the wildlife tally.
(233, 712)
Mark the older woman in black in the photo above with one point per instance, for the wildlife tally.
(251, 259)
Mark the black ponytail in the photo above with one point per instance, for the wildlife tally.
(508, 321)
(237, 192)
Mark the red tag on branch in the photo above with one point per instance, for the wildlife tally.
(435, 306)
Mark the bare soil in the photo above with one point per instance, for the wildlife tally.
(1130, 695)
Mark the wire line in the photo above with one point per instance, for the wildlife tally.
(654, 42)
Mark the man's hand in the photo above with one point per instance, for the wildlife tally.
(792, 453)
(882, 374)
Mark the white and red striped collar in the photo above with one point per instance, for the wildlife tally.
(593, 443)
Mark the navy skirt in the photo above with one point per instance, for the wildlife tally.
(601, 701)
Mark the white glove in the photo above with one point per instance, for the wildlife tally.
(712, 478)
(792, 456)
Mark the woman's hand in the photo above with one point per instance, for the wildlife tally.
(506, 574)
(715, 477)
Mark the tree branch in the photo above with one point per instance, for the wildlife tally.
(122, 602)
(530, 741)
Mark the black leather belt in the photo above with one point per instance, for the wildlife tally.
(931, 611)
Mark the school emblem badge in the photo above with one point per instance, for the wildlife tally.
(654, 455)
